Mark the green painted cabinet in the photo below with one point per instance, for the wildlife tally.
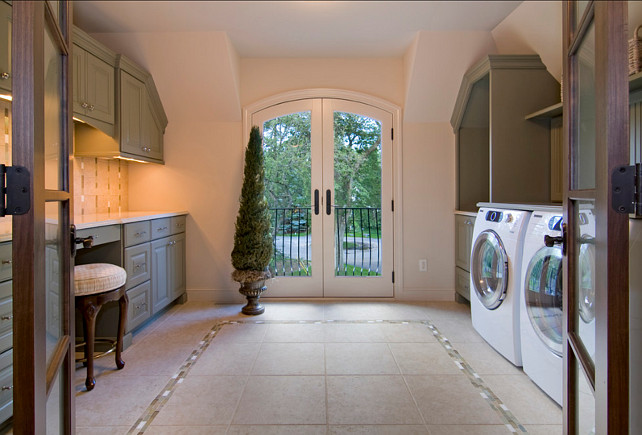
(5, 47)
(94, 83)
(168, 270)
(93, 87)
(142, 118)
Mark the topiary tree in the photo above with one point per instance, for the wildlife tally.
(253, 237)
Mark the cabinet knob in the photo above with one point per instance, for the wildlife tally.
(7, 261)
(5, 76)
(84, 105)
(9, 317)
(5, 388)
(468, 223)
(91, 107)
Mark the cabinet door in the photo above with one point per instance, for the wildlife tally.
(5, 46)
(100, 89)
(177, 265)
(161, 292)
(152, 134)
(463, 240)
(132, 97)
(79, 86)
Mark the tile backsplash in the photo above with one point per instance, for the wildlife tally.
(100, 185)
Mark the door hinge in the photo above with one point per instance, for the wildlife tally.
(393, 276)
(626, 189)
(14, 190)
(392, 205)
(392, 134)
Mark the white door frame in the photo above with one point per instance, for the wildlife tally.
(396, 153)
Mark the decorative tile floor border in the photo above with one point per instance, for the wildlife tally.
(507, 417)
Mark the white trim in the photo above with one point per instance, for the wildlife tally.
(359, 97)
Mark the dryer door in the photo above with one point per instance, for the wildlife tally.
(543, 297)
(489, 268)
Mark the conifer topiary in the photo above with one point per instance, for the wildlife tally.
(253, 239)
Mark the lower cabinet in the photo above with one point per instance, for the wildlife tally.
(154, 258)
(464, 225)
(168, 270)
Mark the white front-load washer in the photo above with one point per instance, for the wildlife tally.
(495, 264)
(541, 311)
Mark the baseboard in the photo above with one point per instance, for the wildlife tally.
(217, 296)
(425, 295)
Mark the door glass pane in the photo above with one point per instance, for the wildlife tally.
(584, 141)
(54, 405)
(543, 295)
(357, 195)
(489, 268)
(53, 113)
(580, 8)
(288, 177)
(5, 159)
(53, 275)
(586, 404)
(585, 310)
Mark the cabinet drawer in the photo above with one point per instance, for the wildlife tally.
(160, 228)
(6, 359)
(6, 391)
(137, 264)
(177, 224)
(6, 315)
(6, 340)
(139, 308)
(462, 282)
(101, 235)
(137, 232)
(5, 261)
(6, 289)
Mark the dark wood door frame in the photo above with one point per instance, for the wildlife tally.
(32, 378)
(610, 374)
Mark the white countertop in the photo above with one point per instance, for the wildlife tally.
(466, 213)
(102, 219)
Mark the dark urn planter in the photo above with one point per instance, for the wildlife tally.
(252, 292)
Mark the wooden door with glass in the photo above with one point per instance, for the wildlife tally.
(596, 267)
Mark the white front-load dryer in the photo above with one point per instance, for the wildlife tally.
(495, 264)
(541, 311)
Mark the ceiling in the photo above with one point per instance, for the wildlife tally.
(282, 29)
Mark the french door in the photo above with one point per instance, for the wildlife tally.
(328, 166)
(596, 337)
(43, 357)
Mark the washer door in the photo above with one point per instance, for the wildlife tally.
(543, 297)
(489, 266)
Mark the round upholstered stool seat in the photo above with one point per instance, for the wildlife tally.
(95, 278)
(94, 285)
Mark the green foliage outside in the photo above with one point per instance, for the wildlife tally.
(253, 239)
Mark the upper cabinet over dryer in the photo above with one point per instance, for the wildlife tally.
(501, 157)
(117, 101)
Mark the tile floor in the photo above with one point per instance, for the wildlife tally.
(313, 368)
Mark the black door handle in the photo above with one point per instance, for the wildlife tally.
(550, 241)
(316, 201)
(328, 202)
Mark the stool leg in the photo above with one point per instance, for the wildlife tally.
(123, 302)
(89, 313)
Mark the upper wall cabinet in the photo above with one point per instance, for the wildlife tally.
(94, 82)
(501, 157)
(108, 86)
(5, 47)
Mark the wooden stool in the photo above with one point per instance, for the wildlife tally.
(94, 285)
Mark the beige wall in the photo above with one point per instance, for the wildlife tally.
(428, 204)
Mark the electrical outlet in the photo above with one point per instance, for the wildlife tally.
(423, 265)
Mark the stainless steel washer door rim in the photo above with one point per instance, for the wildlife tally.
(489, 268)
